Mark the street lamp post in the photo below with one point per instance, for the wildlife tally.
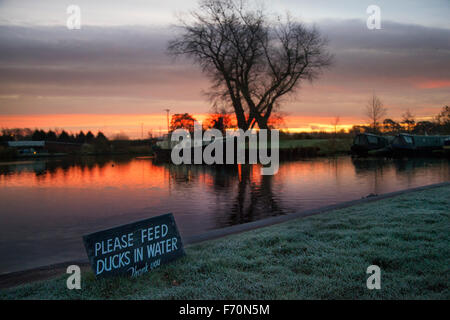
(167, 111)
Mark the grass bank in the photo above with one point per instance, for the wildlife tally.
(324, 147)
(308, 148)
(319, 257)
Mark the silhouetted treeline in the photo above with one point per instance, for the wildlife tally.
(18, 134)
(60, 141)
(439, 125)
(342, 134)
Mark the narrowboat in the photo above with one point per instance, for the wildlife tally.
(35, 149)
(447, 146)
(163, 148)
(371, 144)
(415, 144)
(230, 144)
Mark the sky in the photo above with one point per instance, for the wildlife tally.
(114, 73)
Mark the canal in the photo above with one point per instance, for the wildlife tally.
(47, 205)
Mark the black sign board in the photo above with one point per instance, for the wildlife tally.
(134, 248)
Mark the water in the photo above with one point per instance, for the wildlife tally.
(46, 206)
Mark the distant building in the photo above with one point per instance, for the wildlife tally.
(28, 148)
(42, 148)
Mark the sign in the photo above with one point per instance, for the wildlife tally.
(134, 248)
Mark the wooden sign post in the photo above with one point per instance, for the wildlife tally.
(134, 248)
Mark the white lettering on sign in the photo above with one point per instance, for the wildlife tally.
(115, 244)
(134, 248)
(154, 233)
(161, 247)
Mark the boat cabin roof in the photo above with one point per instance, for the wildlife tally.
(25, 144)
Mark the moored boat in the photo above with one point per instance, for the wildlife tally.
(36, 149)
(415, 144)
(371, 144)
(163, 148)
(447, 146)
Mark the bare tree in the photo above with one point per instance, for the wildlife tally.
(409, 119)
(443, 120)
(375, 111)
(253, 61)
(391, 126)
(335, 123)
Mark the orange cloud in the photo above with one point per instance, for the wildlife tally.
(433, 84)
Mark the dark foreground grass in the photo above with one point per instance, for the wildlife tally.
(320, 257)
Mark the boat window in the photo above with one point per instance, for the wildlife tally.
(372, 140)
(408, 139)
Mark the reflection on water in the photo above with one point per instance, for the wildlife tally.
(46, 206)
